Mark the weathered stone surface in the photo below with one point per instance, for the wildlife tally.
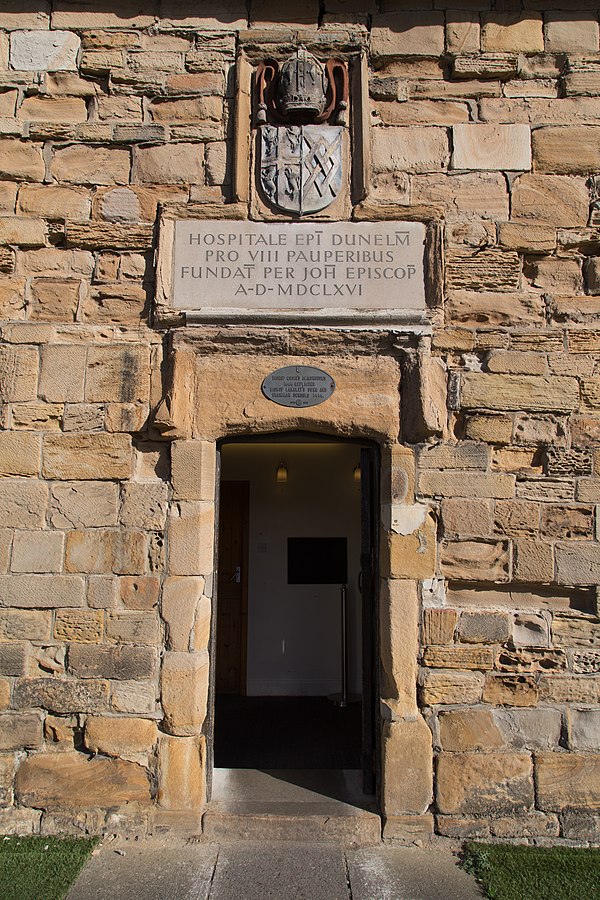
(139, 591)
(408, 34)
(567, 780)
(20, 160)
(62, 372)
(193, 470)
(572, 150)
(412, 555)
(573, 31)
(586, 662)
(567, 521)
(398, 645)
(72, 781)
(486, 270)
(506, 31)
(531, 630)
(480, 784)
(115, 736)
(407, 766)
(510, 690)
(144, 506)
(80, 504)
(401, 149)
(87, 457)
(570, 689)
(190, 530)
(439, 625)
(25, 625)
(576, 630)
(518, 392)
(37, 551)
(133, 627)
(484, 627)
(577, 563)
(178, 609)
(181, 772)
(528, 238)
(84, 625)
(168, 164)
(102, 235)
(469, 729)
(89, 551)
(20, 730)
(476, 560)
(61, 696)
(121, 662)
(557, 200)
(79, 164)
(491, 147)
(459, 657)
(583, 729)
(19, 453)
(41, 591)
(529, 729)
(451, 687)
(466, 484)
(467, 518)
(43, 50)
(534, 562)
(13, 658)
(184, 692)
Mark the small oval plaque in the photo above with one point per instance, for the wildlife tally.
(298, 386)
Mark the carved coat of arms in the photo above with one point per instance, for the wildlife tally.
(301, 114)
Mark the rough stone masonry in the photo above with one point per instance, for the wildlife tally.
(483, 123)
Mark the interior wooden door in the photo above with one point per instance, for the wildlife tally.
(232, 593)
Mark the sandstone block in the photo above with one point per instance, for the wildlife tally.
(25, 625)
(72, 781)
(19, 453)
(23, 503)
(491, 147)
(102, 592)
(400, 830)
(83, 625)
(120, 662)
(469, 729)
(572, 150)
(567, 780)
(476, 560)
(408, 767)
(534, 562)
(144, 506)
(130, 553)
(77, 504)
(555, 199)
(577, 563)
(43, 50)
(527, 238)
(466, 484)
(420, 149)
(20, 821)
(530, 630)
(113, 235)
(181, 772)
(571, 32)
(62, 373)
(484, 627)
(78, 164)
(518, 392)
(71, 110)
(458, 456)
(87, 456)
(529, 729)
(570, 689)
(21, 161)
(169, 164)
(202, 623)
(54, 299)
(21, 231)
(133, 627)
(13, 658)
(89, 551)
(576, 630)
(495, 429)
(399, 636)
(412, 555)
(20, 731)
(118, 373)
(190, 530)
(139, 591)
(583, 729)
(510, 690)
(115, 736)
(43, 591)
(490, 307)
(462, 31)
(459, 657)
(439, 625)
(451, 687)
(513, 31)
(37, 551)
(184, 692)
(516, 517)
(180, 598)
(61, 696)
(134, 697)
(581, 827)
(193, 470)
(484, 784)
(408, 34)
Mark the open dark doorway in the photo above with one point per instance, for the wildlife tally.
(295, 632)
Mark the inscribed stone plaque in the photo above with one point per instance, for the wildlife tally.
(298, 386)
(221, 265)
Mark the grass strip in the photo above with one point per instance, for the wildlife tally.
(509, 872)
(41, 868)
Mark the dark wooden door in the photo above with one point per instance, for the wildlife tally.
(232, 588)
(369, 582)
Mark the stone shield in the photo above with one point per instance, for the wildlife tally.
(301, 166)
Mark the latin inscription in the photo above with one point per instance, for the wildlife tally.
(309, 265)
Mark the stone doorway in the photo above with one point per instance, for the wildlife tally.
(295, 631)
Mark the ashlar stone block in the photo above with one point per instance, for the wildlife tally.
(62, 373)
(491, 147)
(484, 784)
(567, 780)
(468, 730)
(87, 457)
(184, 692)
(83, 504)
(193, 470)
(190, 530)
(37, 551)
(39, 51)
(41, 591)
(407, 766)
(19, 453)
(181, 772)
(82, 625)
(180, 599)
(120, 737)
(484, 627)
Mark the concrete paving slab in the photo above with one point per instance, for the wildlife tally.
(148, 872)
(390, 873)
(280, 872)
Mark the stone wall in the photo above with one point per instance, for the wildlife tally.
(483, 121)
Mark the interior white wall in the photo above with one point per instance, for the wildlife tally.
(294, 629)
